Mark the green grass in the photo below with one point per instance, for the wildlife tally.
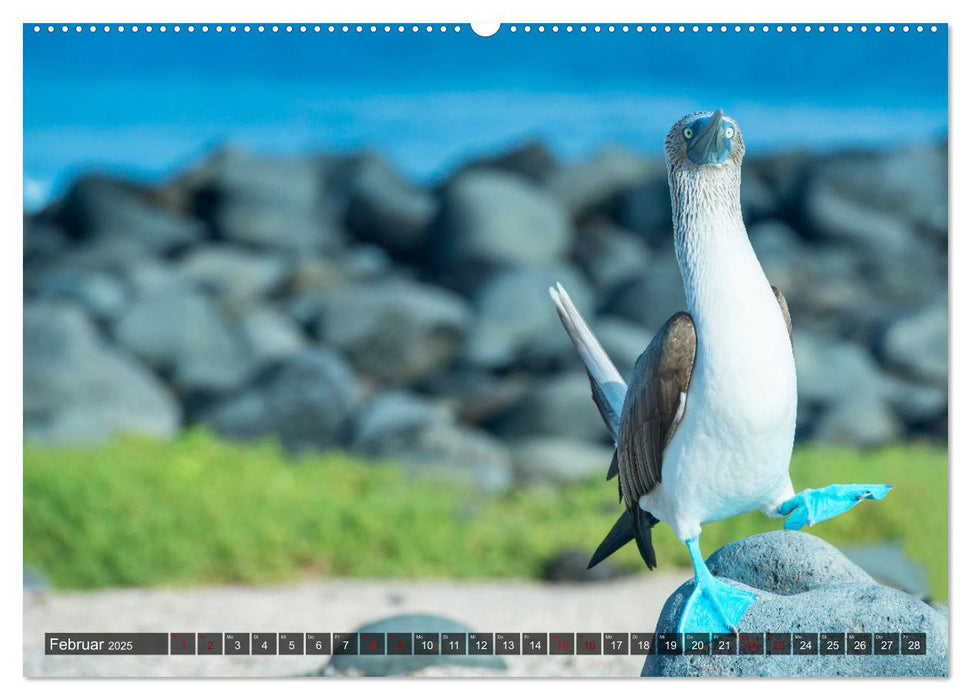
(139, 512)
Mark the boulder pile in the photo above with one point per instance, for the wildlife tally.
(329, 302)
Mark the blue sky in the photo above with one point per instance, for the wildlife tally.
(146, 104)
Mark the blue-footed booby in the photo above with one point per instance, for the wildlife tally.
(705, 429)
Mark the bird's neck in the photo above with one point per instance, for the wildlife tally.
(743, 358)
(722, 277)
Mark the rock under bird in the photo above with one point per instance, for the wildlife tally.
(705, 429)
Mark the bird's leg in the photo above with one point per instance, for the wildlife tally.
(713, 606)
(816, 505)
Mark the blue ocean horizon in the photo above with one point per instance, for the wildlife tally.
(147, 104)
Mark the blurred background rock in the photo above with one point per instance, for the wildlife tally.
(329, 301)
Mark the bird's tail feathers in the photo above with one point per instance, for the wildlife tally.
(608, 387)
(634, 524)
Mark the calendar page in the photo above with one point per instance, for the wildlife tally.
(512, 350)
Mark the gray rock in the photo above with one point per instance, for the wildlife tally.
(34, 581)
(809, 590)
(272, 225)
(473, 395)
(100, 294)
(456, 453)
(915, 343)
(830, 370)
(234, 275)
(785, 562)
(268, 334)
(921, 407)
(181, 333)
(915, 179)
(109, 209)
(889, 564)
(362, 262)
(846, 608)
(394, 665)
(394, 331)
(830, 294)
(113, 256)
(148, 276)
(315, 276)
(304, 400)
(782, 254)
(386, 209)
(758, 199)
(269, 203)
(907, 185)
(292, 182)
(831, 290)
(388, 414)
(906, 283)
(78, 389)
(570, 566)
(623, 341)
(863, 420)
(844, 397)
(833, 213)
(559, 460)
(782, 174)
(558, 406)
(492, 218)
(600, 180)
(516, 322)
(646, 210)
(611, 255)
(531, 160)
(408, 430)
(653, 297)
(44, 243)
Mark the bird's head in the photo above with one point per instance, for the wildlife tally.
(704, 140)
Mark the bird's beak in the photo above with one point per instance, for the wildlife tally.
(710, 147)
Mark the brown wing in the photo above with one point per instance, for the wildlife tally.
(785, 309)
(654, 406)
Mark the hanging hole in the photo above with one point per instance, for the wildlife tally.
(485, 28)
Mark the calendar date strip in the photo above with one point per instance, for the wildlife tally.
(483, 643)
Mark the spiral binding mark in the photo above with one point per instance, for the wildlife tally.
(490, 31)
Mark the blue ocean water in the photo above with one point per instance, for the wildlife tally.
(145, 104)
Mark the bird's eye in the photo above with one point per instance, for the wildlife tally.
(729, 132)
(688, 132)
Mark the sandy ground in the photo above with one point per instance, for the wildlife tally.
(627, 605)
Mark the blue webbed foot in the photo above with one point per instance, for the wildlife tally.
(714, 606)
(816, 505)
